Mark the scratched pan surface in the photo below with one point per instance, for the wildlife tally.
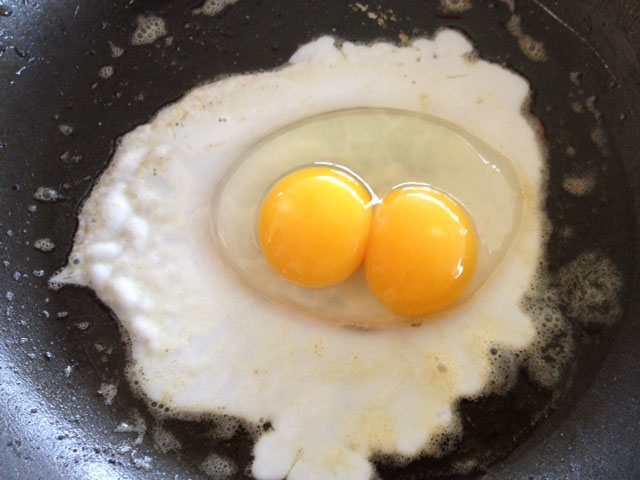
(58, 122)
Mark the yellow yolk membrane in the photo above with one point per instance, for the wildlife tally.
(314, 225)
(422, 251)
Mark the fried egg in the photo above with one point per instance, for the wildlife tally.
(211, 334)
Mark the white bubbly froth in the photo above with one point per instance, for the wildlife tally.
(149, 29)
(202, 343)
(213, 7)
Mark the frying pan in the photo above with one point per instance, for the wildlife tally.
(58, 124)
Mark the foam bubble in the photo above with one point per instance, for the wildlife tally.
(136, 425)
(164, 440)
(225, 428)
(44, 245)
(586, 291)
(213, 7)
(105, 71)
(504, 370)
(456, 6)
(579, 185)
(116, 51)
(465, 466)
(548, 357)
(142, 462)
(46, 194)
(590, 289)
(533, 49)
(65, 129)
(150, 28)
(599, 138)
(219, 467)
(108, 391)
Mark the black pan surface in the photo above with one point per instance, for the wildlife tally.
(57, 349)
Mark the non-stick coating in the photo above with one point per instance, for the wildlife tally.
(53, 425)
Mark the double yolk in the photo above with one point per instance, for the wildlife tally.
(318, 225)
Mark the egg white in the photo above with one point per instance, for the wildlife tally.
(385, 148)
(203, 343)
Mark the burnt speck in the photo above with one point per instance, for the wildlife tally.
(48, 356)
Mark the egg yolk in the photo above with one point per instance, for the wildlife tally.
(314, 225)
(422, 251)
